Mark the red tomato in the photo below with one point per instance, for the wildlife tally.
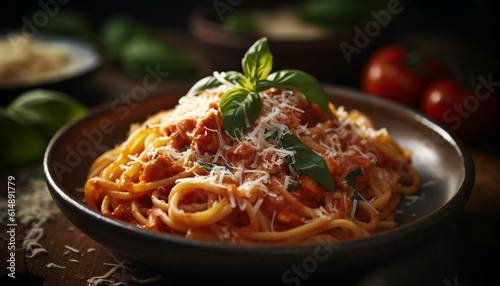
(393, 73)
(470, 112)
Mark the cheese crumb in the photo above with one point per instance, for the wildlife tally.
(73, 249)
(53, 265)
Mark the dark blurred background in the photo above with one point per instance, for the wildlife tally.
(474, 22)
(476, 18)
(463, 33)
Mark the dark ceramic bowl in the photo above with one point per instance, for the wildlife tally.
(446, 169)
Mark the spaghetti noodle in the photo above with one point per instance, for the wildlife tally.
(180, 173)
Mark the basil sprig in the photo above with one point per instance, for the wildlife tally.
(307, 161)
(241, 107)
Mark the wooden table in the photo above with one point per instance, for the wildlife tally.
(461, 255)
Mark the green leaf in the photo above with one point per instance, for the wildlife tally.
(45, 110)
(147, 49)
(241, 22)
(233, 76)
(209, 166)
(298, 81)
(245, 83)
(114, 33)
(238, 78)
(339, 14)
(22, 144)
(212, 82)
(351, 176)
(203, 84)
(239, 109)
(292, 186)
(308, 162)
(257, 62)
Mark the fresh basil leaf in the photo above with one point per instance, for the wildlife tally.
(237, 78)
(265, 85)
(291, 165)
(308, 162)
(203, 84)
(246, 84)
(239, 109)
(212, 82)
(233, 76)
(298, 81)
(351, 176)
(258, 61)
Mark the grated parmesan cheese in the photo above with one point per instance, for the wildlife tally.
(69, 248)
(270, 122)
(118, 275)
(34, 207)
(53, 265)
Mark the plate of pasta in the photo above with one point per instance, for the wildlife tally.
(246, 174)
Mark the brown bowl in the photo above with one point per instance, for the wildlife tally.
(438, 157)
(322, 57)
